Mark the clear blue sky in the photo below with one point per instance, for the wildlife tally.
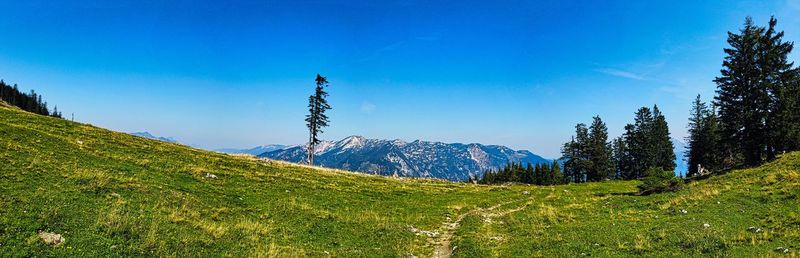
(237, 74)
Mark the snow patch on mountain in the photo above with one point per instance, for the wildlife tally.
(454, 161)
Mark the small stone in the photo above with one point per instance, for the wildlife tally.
(51, 239)
(754, 229)
(684, 211)
(526, 192)
(209, 175)
(115, 195)
(706, 225)
(80, 142)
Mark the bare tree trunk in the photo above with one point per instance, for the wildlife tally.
(310, 149)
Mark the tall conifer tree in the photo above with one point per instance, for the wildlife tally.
(316, 119)
(663, 151)
(599, 151)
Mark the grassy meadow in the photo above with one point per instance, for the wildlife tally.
(113, 194)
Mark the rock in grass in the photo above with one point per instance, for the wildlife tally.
(706, 225)
(51, 239)
(212, 176)
(526, 192)
(419, 232)
(754, 229)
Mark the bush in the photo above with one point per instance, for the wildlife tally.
(658, 180)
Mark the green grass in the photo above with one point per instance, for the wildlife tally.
(603, 219)
(113, 194)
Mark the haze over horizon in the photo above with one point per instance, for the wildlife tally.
(518, 74)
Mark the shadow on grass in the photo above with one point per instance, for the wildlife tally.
(617, 194)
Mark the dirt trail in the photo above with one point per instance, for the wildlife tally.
(442, 247)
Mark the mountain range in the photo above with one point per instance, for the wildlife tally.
(255, 151)
(452, 161)
(150, 136)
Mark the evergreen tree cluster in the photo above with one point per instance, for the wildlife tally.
(539, 174)
(703, 152)
(30, 102)
(589, 156)
(756, 113)
(758, 98)
(645, 144)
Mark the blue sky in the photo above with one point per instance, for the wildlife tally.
(237, 74)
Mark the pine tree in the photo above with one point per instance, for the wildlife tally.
(788, 115)
(703, 139)
(781, 80)
(645, 144)
(642, 156)
(575, 155)
(621, 157)
(599, 152)
(570, 155)
(556, 177)
(316, 119)
(662, 147)
(741, 98)
(584, 163)
(696, 150)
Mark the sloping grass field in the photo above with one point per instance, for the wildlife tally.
(113, 194)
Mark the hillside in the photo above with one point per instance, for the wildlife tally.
(112, 193)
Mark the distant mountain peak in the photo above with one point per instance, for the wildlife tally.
(351, 142)
(148, 135)
(453, 161)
